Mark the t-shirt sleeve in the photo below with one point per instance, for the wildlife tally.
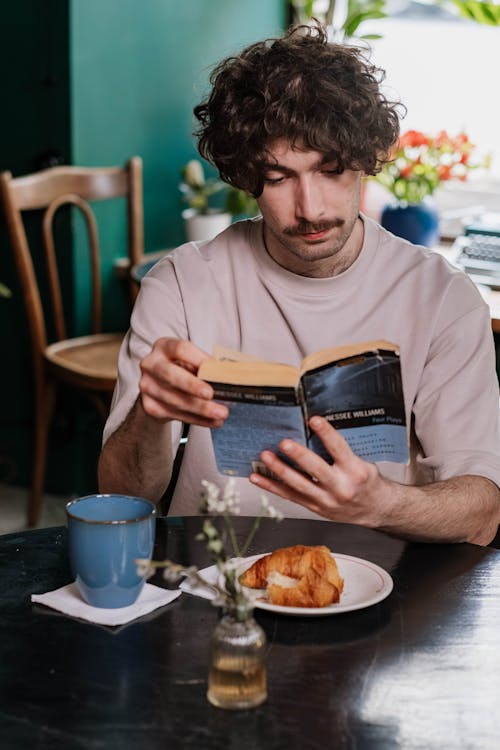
(456, 411)
(158, 312)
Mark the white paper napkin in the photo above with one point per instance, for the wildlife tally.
(67, 599)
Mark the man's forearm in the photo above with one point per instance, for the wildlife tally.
(461, 509)
(137, 458)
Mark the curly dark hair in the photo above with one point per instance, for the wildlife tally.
(301, 88)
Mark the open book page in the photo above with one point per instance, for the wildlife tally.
(362, 397)
(264, 407)
(324, 356)
(249, 373)
(254, 426)
(247, 370)
(357, 388)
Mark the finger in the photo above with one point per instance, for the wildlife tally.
(337, 447)
(184, 353)
(171, 375)
(169, 402)
(349, 472)
(326, 483)
(284, 490)
(168, 363)
(164, 412)
(306, 459)
(176, 352)
(289, 476)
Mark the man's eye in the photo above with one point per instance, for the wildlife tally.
(334, 172)
(273, 180)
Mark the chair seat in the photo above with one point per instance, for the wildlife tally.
(87, 361)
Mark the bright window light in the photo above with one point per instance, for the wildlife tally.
(445, 71)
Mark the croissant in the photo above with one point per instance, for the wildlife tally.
(314, 570)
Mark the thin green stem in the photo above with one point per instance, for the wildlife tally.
(250, 537)
(189, 573)
(232, 536)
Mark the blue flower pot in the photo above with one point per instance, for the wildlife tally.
(417, 223)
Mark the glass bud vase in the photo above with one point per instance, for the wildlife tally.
(237, 675)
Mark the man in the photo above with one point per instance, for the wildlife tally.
(297, 122)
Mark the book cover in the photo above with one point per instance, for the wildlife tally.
(357, 388)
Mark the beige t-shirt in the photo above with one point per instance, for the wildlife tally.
(230, 292)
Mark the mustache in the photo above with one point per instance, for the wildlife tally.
(307, 227)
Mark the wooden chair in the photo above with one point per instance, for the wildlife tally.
(87, 363)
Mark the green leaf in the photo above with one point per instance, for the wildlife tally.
(481, 12)
(239, 202)
(5, 291)
(236, 201)
(352, 22)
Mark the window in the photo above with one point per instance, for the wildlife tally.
(445, 70)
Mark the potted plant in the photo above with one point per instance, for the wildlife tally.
(203, 220)
(420, 163)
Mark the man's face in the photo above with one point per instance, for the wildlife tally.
(309, 211)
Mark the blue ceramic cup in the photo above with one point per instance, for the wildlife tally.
(106, 534)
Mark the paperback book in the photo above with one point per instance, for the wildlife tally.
(357, 388)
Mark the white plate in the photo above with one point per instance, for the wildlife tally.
(365, 584)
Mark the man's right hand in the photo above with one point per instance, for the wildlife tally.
(170, 388)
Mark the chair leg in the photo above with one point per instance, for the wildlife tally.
(44, 407)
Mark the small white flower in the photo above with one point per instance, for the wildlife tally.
(216, 505)
(268, 510)
(228, 590)
(171, 575)
(231, 497)
(144, 568)
(210, 496)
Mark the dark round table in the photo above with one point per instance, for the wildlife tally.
(419, 670)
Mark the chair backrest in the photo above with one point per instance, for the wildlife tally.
(49, 190)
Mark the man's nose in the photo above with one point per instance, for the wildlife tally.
(309, 202)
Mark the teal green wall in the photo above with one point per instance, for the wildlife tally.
(136, 96)
(97, 81)
(34, 119)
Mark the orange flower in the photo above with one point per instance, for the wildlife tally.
(444, 172)
(420, 163)
(413, 138)
(461, 139)
(442, 139)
